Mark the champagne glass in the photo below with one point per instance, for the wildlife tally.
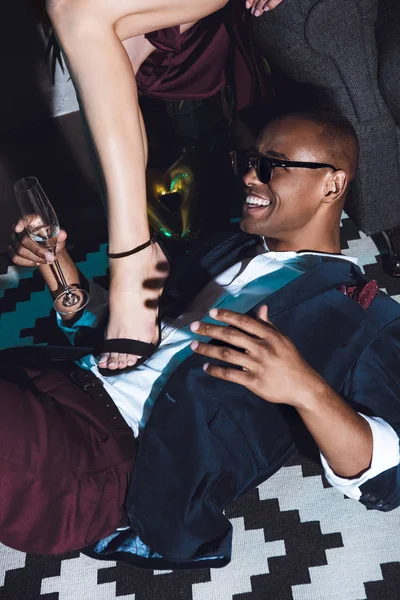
(42, 226)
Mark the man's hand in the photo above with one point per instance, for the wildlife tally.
(271, 366)
(27, 253)
(257, 7)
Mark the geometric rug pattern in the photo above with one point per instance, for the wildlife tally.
(295, 537)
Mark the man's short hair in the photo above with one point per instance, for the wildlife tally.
(338, 137)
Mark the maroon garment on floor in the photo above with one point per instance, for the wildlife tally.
(197, 64)
(63, 467)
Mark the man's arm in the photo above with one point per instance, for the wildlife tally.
(82, 327)
(343, 436)
(71, 274)
(272, 368)
(26, 252)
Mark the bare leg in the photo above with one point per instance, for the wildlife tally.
(91, 34)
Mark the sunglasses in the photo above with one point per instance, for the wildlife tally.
(244, 161)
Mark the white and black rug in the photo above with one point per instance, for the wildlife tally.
(295, 538)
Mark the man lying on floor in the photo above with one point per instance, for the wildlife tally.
(235, 388)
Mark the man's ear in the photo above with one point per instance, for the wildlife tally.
(335, 185)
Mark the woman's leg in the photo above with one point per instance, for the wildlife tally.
(91, 34)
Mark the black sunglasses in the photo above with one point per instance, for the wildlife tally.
(244, 161)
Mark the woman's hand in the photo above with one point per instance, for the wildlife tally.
(259, 357)
(27, 253)
(257, 7)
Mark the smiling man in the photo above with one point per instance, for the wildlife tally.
(304, 184)
(271, 340)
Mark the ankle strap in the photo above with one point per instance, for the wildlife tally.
(152, 240)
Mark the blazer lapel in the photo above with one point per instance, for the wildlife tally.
(212, 258)
(220, 253)
(308, 307)
(327, 274)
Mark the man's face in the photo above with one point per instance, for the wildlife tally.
(294, 195)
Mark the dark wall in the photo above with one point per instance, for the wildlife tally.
(32, 141)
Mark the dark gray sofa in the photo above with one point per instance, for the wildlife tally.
(349, 51)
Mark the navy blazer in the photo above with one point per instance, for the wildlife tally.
(208, 441)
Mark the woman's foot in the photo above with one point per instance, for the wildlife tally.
(136, 284)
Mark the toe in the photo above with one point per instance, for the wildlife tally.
(122, 361)
(102, 362)
(116, 360)
(113, 359)
(131, 359)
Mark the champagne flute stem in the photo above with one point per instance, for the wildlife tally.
(64, 283)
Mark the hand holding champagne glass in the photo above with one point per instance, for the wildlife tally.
(42, 226)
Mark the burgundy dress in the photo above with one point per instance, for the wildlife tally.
(197, 64)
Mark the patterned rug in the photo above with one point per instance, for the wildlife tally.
(295, 537)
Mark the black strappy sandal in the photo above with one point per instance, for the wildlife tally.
(127, 346)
